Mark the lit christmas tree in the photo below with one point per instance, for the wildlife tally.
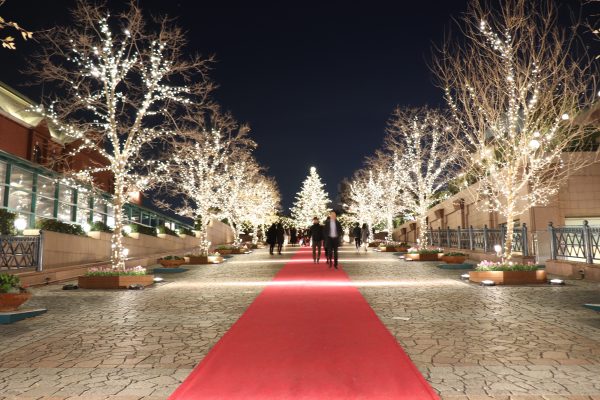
(312, 200)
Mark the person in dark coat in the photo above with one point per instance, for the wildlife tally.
(279, 237)
(272, 237)
(357, 238)
(315, 232)
(333, 236)
(293, 236)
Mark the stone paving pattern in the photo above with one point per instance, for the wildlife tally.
(470, 342)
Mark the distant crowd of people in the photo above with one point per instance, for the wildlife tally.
(328, 235)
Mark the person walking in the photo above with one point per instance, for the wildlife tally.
(280, 237)
(333, 236)
(356, 232)
(315, 232)
(272, 237)
(364, 236)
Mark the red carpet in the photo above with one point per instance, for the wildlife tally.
(306, 336)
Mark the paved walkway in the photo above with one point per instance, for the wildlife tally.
(469, 341)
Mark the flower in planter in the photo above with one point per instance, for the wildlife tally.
(486, 265)
(109, 271)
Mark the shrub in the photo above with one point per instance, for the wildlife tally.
(227, 247)
(100, 226)
(7, 222)
(186, 231)
(416, 250)
(59, 226)
(108, 271)
(455, 254)
(145, 230)
(499, 266)
(166, 230)
(9, 283)
(171, 258)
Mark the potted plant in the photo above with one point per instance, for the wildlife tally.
(171, 261)
(423, 254)
(402, 247)
(454, 257)
(12, 294)
(112, 278)
(508, 273)
(228, 249)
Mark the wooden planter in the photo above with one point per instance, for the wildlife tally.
(402, 249)
(422, 257)
(454, 259)
(114, 282)
(373, 244)
(509, 277)
(12, 301)
(387, 249)
(225, 251)
(194, 260)
(171, 263)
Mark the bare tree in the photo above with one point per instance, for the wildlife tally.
(196, 165)
(516, 86)
(8, 42)
(423, 144)
(121, 89)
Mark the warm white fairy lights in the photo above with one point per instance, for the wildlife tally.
(514, 88)
(119, 99)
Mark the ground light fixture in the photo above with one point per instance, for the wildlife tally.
(158, 279)
(125, 252)
(487, 282)
(465, 276)
(86, 227)
(20, 224)
(127, 229)
(557, 282)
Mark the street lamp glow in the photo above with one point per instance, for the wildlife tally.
(86, 227)
(20, 224)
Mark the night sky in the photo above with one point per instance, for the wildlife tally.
(315, 82)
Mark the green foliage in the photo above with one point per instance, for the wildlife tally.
(59, 226)
(227, 247)
(172, 258)
(426, 251)
(455, 254)
(508, 267)
(100, 226)
(145, 230)
(198, 224)
(108, 271)
(186, 231)
(7, 222)
(166, 230)
(9, 283)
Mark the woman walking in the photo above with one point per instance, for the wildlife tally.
(280, 237)
(272, 237)
(364, 236)
(357, 234)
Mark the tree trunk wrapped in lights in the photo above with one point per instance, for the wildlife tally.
(517, 89)
(311, 201)
(425, 152)
(121, 87)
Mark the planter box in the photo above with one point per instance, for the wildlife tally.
(401, 249)
(372, 244)
(454, 259)
(509, 277)
(387, 249)
(171, 263)
(12, 301)
(114, 282)
(422, 257)
(196, 260)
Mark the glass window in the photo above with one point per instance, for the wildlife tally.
(110, 218)
(45, 207)
(83, 206)
(21, 179)
(19, 200)
(135, 215)
(66, 194)
(65, 212)
(146, 219)
(46, 187)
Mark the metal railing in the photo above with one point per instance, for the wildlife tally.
(21, 251)
(478, 238)
(579, 242)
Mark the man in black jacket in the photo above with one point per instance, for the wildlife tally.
(279, 237)
(333, 235)
(316, 234)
